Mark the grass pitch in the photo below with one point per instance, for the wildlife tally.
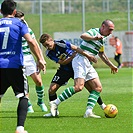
(117, 89)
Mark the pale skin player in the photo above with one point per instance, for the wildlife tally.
(58, 52)
(84, 72)
(30, 68)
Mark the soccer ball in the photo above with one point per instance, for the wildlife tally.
(110, 111)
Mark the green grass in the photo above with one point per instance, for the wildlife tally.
(73, 22)
(117, 89)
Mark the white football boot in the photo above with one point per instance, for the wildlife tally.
(53, 108)
(91, 115)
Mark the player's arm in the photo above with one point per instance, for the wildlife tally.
(82, 52)
(87, 37)
(41, 55)
(66, 60)
(36, 51)
(105, 59)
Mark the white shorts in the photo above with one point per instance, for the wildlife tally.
(30, 65)
(83, 68)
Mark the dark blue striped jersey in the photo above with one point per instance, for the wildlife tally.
(62, 50)
(11, 32)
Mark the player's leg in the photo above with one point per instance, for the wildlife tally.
(52, 96)
(117, 59)
(119, 62)
(21, 114)
(93, 97)
(59, 79)
(67, 93)
(19, 84)
(99, 101)
(39, 90)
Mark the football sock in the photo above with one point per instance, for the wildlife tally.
(92, 99)
(22, 111)
(103, 106)
(20, 128)
(99, 101)
(29, 103)
(65, 95)
(52, 97)
(40, 93)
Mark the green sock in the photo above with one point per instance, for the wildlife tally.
(40, 93)
(29, 103)
(92, 99)
(66, 94)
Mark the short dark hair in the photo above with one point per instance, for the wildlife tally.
(8, 6)
(44, 37)
(19, 14)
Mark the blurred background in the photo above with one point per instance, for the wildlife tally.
(68, 19)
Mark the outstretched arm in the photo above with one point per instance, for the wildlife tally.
(64, 61)
(105, 59)
(82, 52)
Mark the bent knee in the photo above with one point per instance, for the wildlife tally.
(78, 88)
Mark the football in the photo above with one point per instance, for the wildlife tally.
(110, 111)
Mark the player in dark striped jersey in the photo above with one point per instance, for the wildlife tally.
(11, 59)
(60, 52)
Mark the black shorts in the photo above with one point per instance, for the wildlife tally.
(62, 76)
(14, 78)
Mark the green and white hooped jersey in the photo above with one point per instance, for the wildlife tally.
(94, 46)
(25, 46)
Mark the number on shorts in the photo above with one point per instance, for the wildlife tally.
(56, 78)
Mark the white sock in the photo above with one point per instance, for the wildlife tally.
(57, 101)
(88, 110)
(103, 106)
(20, 128)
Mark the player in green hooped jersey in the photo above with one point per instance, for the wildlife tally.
(93, 44)
(31, 70)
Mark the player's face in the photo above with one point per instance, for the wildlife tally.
(49, 44)
(107, 29)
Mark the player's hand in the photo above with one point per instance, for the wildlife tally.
(92, 59)
(98, 37)
(114, 69)
(41, 65)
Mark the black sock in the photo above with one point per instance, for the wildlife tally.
(52, 97)
(22, 111)
(99, 101)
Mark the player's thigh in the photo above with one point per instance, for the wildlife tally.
(4, 83)
(18, 81)
(61, 77)
(79, 84)
(37, 79)
(94, 84)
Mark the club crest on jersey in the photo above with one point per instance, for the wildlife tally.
(62, 56)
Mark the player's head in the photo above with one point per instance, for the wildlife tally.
(107, 27)
(8, 7)
(19, 14)
(47, 41)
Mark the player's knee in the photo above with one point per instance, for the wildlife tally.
(78, 88)
(38, 83)
(99, 89)
(51, 91)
